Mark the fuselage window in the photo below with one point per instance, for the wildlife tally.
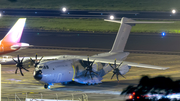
(47, 67)
(44, 67)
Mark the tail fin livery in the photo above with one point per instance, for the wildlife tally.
(14, 34)
(124, 31)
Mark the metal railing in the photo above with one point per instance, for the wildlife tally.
(55, 97)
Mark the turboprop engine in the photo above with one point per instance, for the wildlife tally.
(119, 70)
(124, 69)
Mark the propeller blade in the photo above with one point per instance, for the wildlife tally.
(35, 59)
(121, 75)
(22, 59)
(25, 69)
(32, 60)
(117, 77)
(115, 63)
(15, 60)
(16, 70)
(21, 71)
(94, 72)
(111, 66)
(85, 73)
(91, 76)
(112, 75)
(40, 59)
(88, 61)
(120, 64)
(92, 63)
(18, 58)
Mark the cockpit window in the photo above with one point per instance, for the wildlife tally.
(46, 67)
(40, 66)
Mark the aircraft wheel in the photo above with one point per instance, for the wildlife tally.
(46, 86)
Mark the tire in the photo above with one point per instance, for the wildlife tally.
(45, 86)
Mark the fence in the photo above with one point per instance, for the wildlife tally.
(39, 96)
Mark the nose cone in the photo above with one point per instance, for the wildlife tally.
(38, 75)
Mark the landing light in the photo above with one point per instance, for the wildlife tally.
(0, 14)
(64, 9)
(111, 17)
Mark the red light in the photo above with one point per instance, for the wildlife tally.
(134, 93)
(130, 96)
(137, 97)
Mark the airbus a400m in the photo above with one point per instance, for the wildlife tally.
(87, 70)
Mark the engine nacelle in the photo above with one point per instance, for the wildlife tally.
(124, 69)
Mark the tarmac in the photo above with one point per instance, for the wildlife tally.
(109, 90)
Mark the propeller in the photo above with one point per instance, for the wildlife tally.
(36, 62)
(19, 64)
(89, 68)
(116, 70)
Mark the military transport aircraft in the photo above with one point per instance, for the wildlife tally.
(87, 70)
(10, 42)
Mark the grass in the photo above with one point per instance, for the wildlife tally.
(90, 25)
(124, 5)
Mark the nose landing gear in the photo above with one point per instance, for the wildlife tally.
(46, 86)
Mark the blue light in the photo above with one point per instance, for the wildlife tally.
(49, 86)
(163, 33)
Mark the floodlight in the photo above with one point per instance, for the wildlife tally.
(111, 17)
(173, 11)
(64, 9)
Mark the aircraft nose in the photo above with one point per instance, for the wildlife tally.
(38, 75)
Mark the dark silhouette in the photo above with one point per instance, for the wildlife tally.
(157, 85)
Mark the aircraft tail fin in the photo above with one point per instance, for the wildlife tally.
(14, 34)
(124, 31)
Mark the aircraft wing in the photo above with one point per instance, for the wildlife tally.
(111, 61)
(144, 65)
(99, 59)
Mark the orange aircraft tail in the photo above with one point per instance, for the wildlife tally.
(14, 34)
(11, 42)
